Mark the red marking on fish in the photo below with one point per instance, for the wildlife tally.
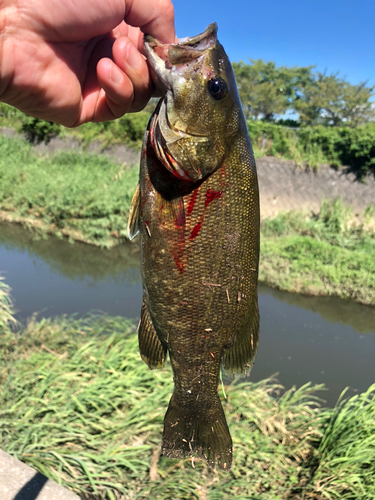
(179, 264)
(192, 201)
(180, 219)
(211, 195)
(195, 230)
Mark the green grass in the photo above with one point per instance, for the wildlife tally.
(85, 197)
(326, 254)
(78, 405)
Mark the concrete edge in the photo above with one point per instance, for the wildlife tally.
(18, 481)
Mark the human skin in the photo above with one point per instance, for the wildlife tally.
(75, 61)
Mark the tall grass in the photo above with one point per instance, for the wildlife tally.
(347, 449)
(77, 403)
(330, 253)
(6, 307)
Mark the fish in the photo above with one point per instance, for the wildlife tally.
(196, 209)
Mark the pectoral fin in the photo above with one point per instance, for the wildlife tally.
(133, 222)
(151, 349)
(239, 356)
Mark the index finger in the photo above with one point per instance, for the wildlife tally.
(153, 17)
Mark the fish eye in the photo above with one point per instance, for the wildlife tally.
(217, 88)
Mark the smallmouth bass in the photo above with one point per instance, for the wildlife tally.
(196, 208)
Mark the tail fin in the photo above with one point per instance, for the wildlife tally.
(203, 434)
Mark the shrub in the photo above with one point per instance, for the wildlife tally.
(336, 146)
(37, 130)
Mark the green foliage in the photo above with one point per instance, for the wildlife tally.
(330, 100)
(37, 130)
(335, 216)
(353, 147)
(9, 115)
(288, 122)
(267, 90)
(83, 195)
(333, 145)
(134, 126)
(128, 129)
(78, 405)
(326, 254)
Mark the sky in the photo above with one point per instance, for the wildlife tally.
(334, 35)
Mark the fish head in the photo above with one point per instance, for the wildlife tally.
(198, 115)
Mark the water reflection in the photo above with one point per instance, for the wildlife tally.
(74, 260)
(333, 309)
(303, 346)
(54, 277)
(319, 339)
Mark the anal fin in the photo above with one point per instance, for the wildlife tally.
(151, 349)
(239, 356)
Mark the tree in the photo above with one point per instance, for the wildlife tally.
(267, 90)
(331, 100)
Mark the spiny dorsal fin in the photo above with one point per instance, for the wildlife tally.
(133, 222)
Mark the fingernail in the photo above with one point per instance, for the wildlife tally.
(116, 74)
(133, 57)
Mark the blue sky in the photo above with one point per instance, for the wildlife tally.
(336, 35)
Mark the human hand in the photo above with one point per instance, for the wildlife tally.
(79, 61)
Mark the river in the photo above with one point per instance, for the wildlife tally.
(319, 339)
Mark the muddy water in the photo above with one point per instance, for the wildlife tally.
(319, 339)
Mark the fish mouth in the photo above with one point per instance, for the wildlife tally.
(163, 57)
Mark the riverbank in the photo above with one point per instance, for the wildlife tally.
(82, 196)
(330, 253)
(78, 404)
(87, 197)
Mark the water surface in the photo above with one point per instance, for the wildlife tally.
(319, 339)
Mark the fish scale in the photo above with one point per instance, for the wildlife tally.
(199, 234)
